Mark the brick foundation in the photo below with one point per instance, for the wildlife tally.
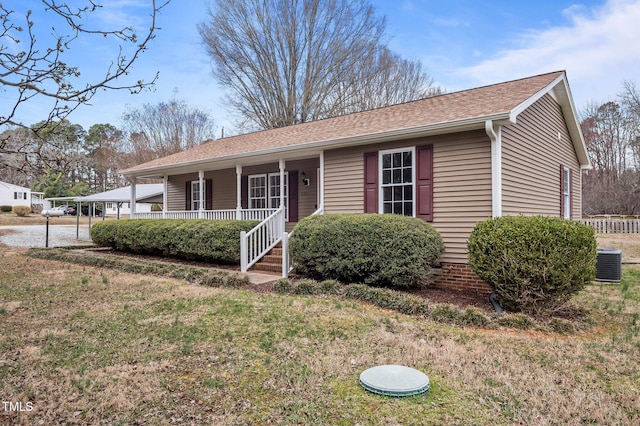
(460, 277)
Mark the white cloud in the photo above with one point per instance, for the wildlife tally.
(599, 48)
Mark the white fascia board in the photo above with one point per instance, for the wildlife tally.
(513, 115)
(559, 90)
(314, 148)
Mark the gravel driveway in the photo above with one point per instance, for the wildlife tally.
(34, 235)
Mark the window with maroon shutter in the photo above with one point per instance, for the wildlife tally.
(399, 181)
(263, 191)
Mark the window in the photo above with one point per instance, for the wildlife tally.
(264, 191)
(397, 182)
(258, 192)
(566, 192)
(400, 181)
(195, 195)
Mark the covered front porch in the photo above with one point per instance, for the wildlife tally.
(276, 193)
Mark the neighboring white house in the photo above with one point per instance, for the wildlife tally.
(14, 195)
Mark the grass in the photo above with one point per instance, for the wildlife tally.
(95, 345)
(92, 344)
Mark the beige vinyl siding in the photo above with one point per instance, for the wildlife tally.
(461, 184)
(175, 191)
(532, 155)
(224, 189)
(461, 189)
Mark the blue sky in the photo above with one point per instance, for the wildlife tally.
(461, 43)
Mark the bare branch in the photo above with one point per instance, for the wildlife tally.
(289, 61)
(29, 71)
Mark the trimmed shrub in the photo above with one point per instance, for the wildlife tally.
(6, 209)
(373, 249)
(533, 262)
(21, 211)
(202, 240)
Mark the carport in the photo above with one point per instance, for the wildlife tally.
(145, 193)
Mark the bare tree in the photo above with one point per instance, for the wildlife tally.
(611, 132)
(166, 128)
(292, 61)
(394, 80)
(35, 71)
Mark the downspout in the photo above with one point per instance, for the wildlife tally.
(496, 167)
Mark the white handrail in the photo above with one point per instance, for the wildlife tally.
(287, 264)
(261, 239)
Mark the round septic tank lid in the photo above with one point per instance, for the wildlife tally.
(394, 380)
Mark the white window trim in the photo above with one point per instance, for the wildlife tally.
(566, 192)
(414, 165)
(268, 205)
(266, 189)
(195, 201)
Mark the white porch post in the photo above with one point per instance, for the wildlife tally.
(321, 186)
(238, 192)
(165, 186)
(132, 214)
(281, 166)
(200, 193)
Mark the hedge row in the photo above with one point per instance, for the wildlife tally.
(376, 249)
(201, 240)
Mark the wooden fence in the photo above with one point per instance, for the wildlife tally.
(614, 226)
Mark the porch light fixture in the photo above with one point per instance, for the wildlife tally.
(305, 180)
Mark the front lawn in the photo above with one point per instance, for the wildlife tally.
(83, 345)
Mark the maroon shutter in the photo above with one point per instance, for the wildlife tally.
(371, 182)
(208, 194)
(424, 182)
(187, 195)
(244, 192)
(293, 195)
(561, 190)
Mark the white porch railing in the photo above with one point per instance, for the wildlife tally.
(261, 239)
(287, 264)
(228, 214)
